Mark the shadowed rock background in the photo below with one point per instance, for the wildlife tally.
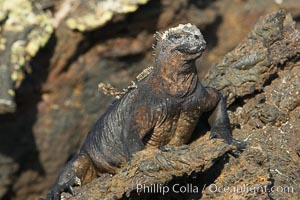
(53, 54)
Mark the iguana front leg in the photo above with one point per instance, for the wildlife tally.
(219, 120)
(132, 141)
(214, 104)
(78, 170)
(139, 124)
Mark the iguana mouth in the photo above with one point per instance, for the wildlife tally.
(191, 48)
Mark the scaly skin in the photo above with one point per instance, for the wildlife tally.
(163, 109)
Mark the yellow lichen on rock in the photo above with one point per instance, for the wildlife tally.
(89, 20)
(2, 43)
(100, 12)
(31, 30)
(24, 29)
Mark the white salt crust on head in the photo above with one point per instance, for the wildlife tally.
(185, 27)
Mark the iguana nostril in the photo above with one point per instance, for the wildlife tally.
(197, 37)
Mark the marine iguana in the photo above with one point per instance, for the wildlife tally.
(163, 109)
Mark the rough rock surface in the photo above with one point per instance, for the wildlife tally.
(58, 101)
(246, 69)
(153, 166)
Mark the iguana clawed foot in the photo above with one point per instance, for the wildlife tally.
(56, 191)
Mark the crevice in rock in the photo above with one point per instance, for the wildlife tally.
(241, 101)
(270, 186)
(202, 4)
(210, 31)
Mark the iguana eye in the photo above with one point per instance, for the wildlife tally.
(174, 37)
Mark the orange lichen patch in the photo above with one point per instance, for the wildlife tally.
(233, 169)
(262, 178)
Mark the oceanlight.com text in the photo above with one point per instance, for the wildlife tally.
(213, 188)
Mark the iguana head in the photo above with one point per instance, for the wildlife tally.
(175, 54)
(184, 41)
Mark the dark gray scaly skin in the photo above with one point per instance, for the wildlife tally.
(163, 109)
